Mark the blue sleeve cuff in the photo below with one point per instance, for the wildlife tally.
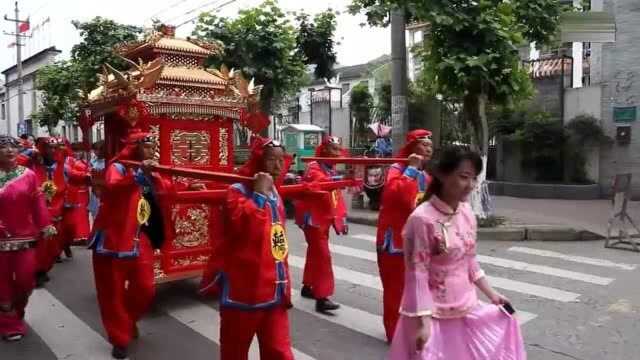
(140, 179)
(259, 199)
(411, 172)
(337, 177)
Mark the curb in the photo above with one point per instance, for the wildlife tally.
(512, 233)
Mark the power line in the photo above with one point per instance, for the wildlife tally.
(217, 8)
(167, 8)
(198, 8)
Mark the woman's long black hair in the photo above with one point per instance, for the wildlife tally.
(449, 160)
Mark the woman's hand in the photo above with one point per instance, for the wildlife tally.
(498, 299)
(423, 333)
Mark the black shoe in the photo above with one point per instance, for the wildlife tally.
(58, 260)
(324, 305)
(68, 253)
(136, 332)
(306, 292)
(41, 279)
(12, 337)
(119, 352)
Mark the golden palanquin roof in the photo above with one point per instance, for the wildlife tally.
(165, 41)
(168, 75)
(194, 76)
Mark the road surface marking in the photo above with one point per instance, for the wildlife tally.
(572, 258)
(373, 281)
(542, 269)
(506, 263)
(355, 319)
(205, 320)
(65, 334)
(367, 237)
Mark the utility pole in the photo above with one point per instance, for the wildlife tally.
(399, 81)
(19, 45)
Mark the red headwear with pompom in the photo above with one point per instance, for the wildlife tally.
(257, 148)
(326, 140)
(134, 137)
(412, 138)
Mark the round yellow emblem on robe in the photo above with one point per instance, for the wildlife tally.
(279, 245)
(49, 189)
(144, 211)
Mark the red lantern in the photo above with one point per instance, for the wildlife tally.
(254, 121)
(133, 112)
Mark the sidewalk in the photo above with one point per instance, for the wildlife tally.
(563, 215)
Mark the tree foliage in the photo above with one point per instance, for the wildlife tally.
(315, 42)
(471, 55)
(58, 84)
(361, 104)
(99, 37)
(264, 43)
(64, 85)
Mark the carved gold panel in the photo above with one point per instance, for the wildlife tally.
(223, 155)
(189, 260)
(155, 132)
(190, 147)
(192, 226)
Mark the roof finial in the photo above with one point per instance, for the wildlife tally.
(168, 30)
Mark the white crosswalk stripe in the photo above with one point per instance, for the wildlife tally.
(372, 281)
(205, 320)
(506, 263)
(502, 283)
(65, 334)
(573, 258)
(349, 317)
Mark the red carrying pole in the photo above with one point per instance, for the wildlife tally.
(193, 173)
(356, 160)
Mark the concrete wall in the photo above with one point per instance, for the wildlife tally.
(580, 101)
(621, 87)
(547, 97)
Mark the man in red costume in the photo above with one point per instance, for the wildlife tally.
(318, 281)
(75, 216)
(128, 227)
(249, 265)
(48, 164)
(404, 187)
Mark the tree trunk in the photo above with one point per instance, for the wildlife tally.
(475, 113)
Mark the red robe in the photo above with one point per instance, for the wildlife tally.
(47, 251)
(75, 218)
(404, 187)
(123, 252)
(316, 221)
(253, 283)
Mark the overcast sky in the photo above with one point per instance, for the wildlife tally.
(357, 44)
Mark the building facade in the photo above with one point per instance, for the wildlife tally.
(9, 121)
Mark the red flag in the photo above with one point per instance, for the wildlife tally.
(24, 26)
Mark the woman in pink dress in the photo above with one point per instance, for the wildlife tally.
(24, 219)
(440, 315)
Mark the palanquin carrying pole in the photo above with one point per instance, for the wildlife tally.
(356, 160)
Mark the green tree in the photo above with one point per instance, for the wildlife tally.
(65, 85)
(99, 37)
(471, 55)
(361, 103)
(264, 43)
(315, 42)
(60, 98)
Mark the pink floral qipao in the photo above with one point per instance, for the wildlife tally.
(441, 271)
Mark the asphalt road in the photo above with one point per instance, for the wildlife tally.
(575, 300)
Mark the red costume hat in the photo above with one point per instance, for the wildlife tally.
(257, 148)
(413, 137)
(322, 148)
(133, 139)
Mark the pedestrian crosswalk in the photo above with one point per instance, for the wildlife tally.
(520, 271)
